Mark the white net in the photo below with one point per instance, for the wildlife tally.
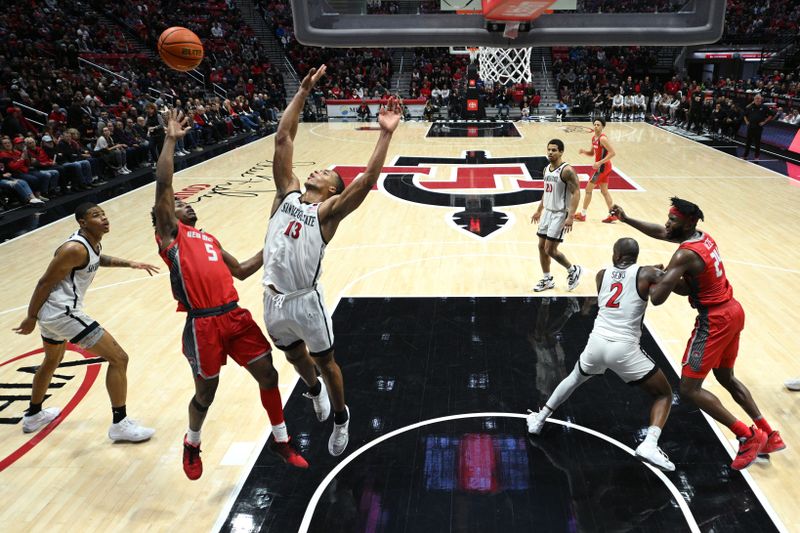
(504, 65)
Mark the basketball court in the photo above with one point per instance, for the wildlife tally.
(443, 347)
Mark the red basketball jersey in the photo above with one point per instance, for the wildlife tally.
(199, 277)
(600, 152)
(711, 286)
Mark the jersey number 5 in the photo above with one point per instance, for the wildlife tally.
(616, 289)
(717, 262)
(212, 254)
(293, 229)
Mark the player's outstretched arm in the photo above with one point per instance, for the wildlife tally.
(285, 181)
(68, 257)
(338, 207)
(656, 231)
(245, 269)
(679, 265)
(108, 261)
(166, 222)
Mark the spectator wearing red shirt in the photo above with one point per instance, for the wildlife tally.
(15, 163)
(57, 114)
(672, 86)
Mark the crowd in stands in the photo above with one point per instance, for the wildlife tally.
(68, 126)
(352, 73)
(760, 19)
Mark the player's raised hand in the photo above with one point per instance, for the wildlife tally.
(618, 212)
(177, 124)
(389, 116)
(313, 77)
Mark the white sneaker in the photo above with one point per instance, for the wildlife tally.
(655, 456)
(340, 436)
(544, 284)
(574, 277)
(40, 419)
(535, 423)
(129, 430)
(322, 404)
(792, 384)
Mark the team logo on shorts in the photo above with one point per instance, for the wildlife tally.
(72, 380)
(473, 188)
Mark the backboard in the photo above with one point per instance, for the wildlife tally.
(415, 23)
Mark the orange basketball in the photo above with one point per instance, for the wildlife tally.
(180, 48)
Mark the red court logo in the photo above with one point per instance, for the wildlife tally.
(76, 373)
(476, 182)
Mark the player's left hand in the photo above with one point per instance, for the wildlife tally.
(596, 165)
(568, 224)
(151, 269)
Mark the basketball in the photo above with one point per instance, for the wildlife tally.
(180, 48)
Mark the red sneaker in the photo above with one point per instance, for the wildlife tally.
(192, 464)
(580, 217)
(774, 443)
(287, 452)
(610, 218)
(749, 449)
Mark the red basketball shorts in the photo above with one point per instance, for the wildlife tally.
(601, 174)
(715, 340)
(207, 341)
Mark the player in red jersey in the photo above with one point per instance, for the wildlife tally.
(201, 276)
(696, 270)
(603, 152)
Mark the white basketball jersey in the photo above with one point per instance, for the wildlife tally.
(555, 189)
(621, 308)
(68, 295)
(294, 246)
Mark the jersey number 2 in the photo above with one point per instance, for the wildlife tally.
(616, 289)
(293, 229)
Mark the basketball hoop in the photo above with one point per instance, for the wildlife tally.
(504, 65)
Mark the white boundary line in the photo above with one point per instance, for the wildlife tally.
(136, 189)
(762, 498)
(92, 289)
(304, 525)
(721, 152)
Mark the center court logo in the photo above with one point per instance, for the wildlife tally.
(72, 380)
(477, 184)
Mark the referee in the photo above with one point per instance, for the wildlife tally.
(756, 114)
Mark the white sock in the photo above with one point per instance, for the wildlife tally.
(547, 275)
(583, 212)
(280, 432)
(192, 437)
(653, 433)
(545, 412)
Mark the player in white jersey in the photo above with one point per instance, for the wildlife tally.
(640, 103)
(617, 106)
(301, 225)
(555, 215)
(57, 304)
(622, 293)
